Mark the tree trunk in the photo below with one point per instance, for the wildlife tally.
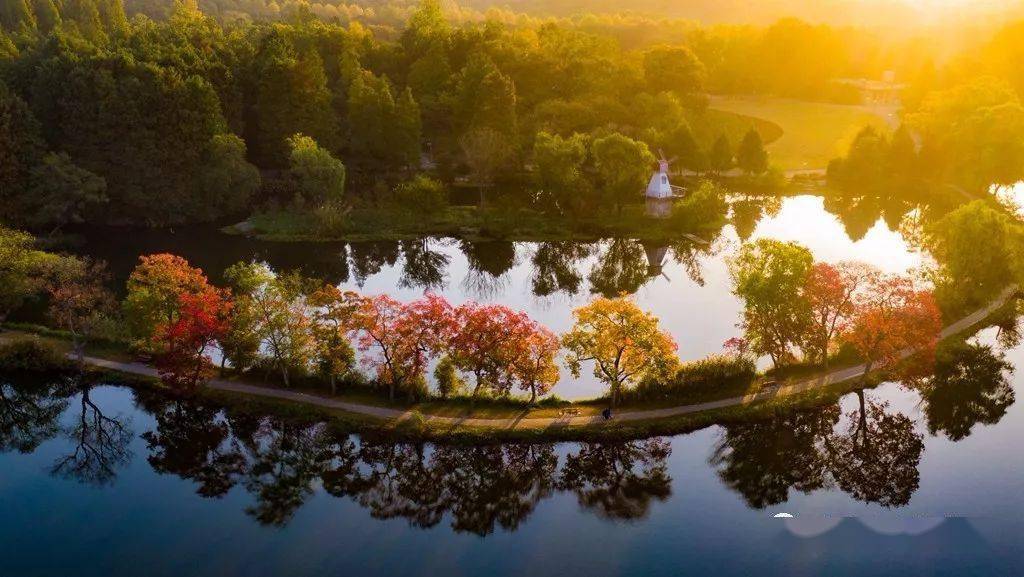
(223, 364)
(391, 391)
(284, 375)
(334, 385)
(533, 395)
(78, 349)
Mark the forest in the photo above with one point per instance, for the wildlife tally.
(160, 113)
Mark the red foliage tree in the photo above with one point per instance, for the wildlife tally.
(832, 292)
(486, 342)
(202, 319)
(893, 321)
(154, 288)
(404, 336)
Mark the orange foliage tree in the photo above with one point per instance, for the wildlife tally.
(154, 290)
(894, 320)
(534, 366)
(624, 343)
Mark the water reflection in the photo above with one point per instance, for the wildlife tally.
(970, 386)
(29, 413)
(871, 452)
(99, 441)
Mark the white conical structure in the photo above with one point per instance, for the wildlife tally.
(659, 186)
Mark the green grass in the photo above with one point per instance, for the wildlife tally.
(813, 133)
(709, 124)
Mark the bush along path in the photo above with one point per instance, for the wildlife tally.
(398, 415)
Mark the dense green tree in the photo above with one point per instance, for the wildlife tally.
(558, 169)
(17, 16)
(976, 248)
(319, 177)
(673, 68)
(484, 99)
(751, 157)
(60, 193)
(768, 276)
(227, 180)
(291, 96)
(622, 166)
(974, 129)
(47, 15)
(385, 131)
(21, 148)
(720, 157)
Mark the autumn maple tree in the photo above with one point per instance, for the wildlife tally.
(154, 290)
(333, 319)
(486, 342)
(624, 343)
(403, 338)
(534, 366)
(894, 320)
(201, 320)
(832, 291)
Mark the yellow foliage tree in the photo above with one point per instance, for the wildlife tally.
(624, 343)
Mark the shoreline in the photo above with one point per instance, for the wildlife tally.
(412, 420)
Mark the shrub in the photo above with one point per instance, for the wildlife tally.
(421, 194)
(703, 208)
(332, 219)
(31, 356)
(697, 378)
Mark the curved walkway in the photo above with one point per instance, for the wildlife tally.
(398, 415)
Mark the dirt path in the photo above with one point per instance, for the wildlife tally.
(398, 415)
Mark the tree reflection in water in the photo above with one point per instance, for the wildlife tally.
(970, 386)
(556, 267)
(488, 262)
(873, 456)
(876, 460)
(29, 414)
(422, 267)
(872, 453)
(619, 480)
(762, 460)
(99, 441)
(479, 488)
(620, 268)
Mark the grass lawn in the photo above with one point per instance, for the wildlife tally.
(813, 132)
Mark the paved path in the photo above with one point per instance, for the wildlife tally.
(398, 415)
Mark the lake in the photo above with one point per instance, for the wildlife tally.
(926, 481)
(919, 477)
(684, 283)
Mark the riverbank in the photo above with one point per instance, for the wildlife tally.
(505, 221)
(570, 420)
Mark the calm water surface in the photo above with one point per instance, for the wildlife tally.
(684, 283)
(925, 479)
(915, 478)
